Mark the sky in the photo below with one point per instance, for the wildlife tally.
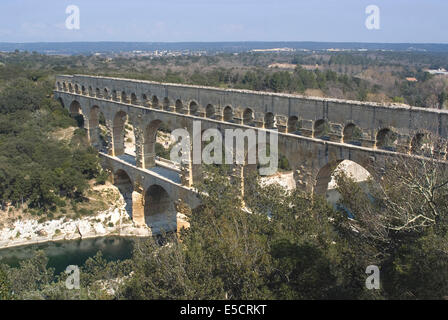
(413, 21)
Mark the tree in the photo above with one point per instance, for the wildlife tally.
(5, 288)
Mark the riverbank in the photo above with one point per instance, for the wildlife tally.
(112, 222)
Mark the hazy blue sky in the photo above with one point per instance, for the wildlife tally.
(224, 20)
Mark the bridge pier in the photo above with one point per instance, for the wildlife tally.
(149, 160)
(117, 141)
(138, 206)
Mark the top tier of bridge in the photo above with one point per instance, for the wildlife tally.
(369, 116)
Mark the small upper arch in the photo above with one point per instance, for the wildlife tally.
(179, 106)
(134, 99)
(293, 124)
(269, 120)
(106, 93)
(248, 116)
(194, 108)
(228, 114)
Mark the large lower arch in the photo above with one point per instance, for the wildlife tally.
(160, 213)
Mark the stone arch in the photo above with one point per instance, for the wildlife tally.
(321, 129)
(194, 108)
(76, 113)
(210, 111)
(228, 114)
(106, 93)
(352, 134)
(98, 93)
(98, 138)
(134, 99)
(114, 95)
(155, 102)
(421, 143)
(325, 184)
(70, 87)
(293, 124)
(77, 89)
(83, 90)
(386, 139)
(64, 86)
(179, 106)
(248, 117)
(149, 143)
(160, 213)
(125, 185)
(90, 91)
(119, 131)
(145, 101)
(166, 104)
(124, 97)
(269, 120)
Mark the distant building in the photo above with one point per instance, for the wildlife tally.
(282, 65)
(411, 79)
(438, 71)
(274, 50)
(310, 67)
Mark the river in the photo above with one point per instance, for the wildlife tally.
(75, 252)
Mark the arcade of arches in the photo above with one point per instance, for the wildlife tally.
(120, 134)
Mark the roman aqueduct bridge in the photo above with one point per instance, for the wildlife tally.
(315, 134)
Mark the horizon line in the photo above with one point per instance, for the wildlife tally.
(228, 41)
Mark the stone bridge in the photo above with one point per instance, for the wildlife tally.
(315, 134)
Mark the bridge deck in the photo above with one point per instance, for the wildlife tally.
(162, 171)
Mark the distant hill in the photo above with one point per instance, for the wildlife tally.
(210, 47)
